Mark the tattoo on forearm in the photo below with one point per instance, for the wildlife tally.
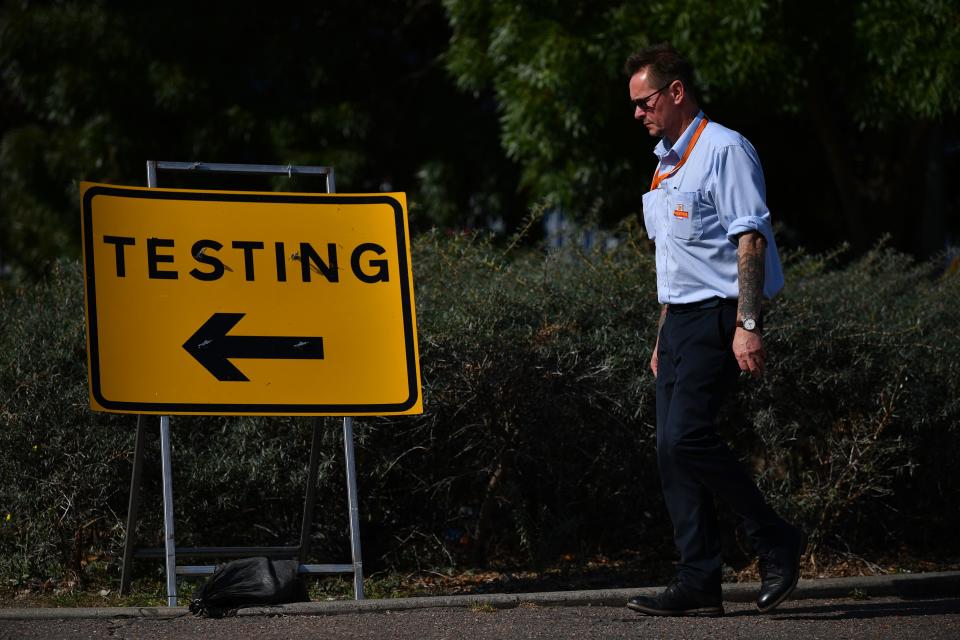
(751, 249)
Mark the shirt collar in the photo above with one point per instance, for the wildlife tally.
(671, 153)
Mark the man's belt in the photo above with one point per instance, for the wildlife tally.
(709, 303)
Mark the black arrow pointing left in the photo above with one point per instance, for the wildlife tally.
(212, 347)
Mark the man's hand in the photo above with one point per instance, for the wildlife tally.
(748, 348)
(653, 359)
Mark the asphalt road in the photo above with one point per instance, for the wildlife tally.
(801, 619)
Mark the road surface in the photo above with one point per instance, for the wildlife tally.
(927, 618)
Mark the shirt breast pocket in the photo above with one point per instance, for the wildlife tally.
(683, 215)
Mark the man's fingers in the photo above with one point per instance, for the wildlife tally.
(752, 363)
(749, 351)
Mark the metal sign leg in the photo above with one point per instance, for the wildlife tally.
(169, 542)
(133, 506)
(354, 508)
(311, 496)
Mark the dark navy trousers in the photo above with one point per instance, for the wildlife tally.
(696, 373)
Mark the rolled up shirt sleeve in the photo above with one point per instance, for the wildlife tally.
(740, 198)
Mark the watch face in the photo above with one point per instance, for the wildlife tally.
(749, 324)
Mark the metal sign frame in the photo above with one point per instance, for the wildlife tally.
(170, 551)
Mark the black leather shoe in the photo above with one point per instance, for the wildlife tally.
(779, 571)
(678, 600)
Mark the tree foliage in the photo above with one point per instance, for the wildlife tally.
(842, 100)
(90, 90)
(868, 79)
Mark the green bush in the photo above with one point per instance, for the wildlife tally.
(538, 431)
(858, 420)
(62, 465)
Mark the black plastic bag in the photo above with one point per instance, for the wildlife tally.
(249, 582)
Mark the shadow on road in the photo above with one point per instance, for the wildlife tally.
(863, 610)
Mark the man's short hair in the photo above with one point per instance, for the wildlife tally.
(666, 65)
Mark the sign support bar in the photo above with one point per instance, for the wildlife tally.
(354, 508)
(169, 542)
(133, 506)
(311, 495)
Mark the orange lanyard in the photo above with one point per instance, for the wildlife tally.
(658, 178)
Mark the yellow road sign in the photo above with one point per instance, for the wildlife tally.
(215, 302)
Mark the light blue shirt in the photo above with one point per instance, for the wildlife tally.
(695, 215)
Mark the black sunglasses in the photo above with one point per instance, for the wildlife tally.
(641, 103)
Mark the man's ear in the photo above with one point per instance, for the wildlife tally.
(677, 91)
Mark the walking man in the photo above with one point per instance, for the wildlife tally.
(716, 261)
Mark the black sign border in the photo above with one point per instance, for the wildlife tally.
(239, 408)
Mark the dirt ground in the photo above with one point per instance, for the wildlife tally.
(631, 569)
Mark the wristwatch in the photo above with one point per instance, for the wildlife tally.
(748, 324)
